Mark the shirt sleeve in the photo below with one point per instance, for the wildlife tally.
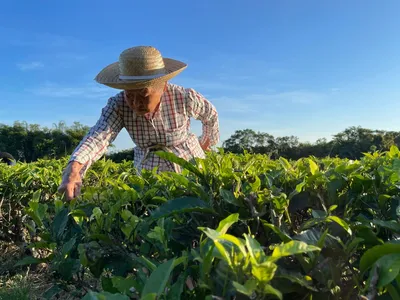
(99, 137)
(201, 109)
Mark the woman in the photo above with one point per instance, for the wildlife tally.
(155, 113)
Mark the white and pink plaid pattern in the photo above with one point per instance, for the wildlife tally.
(169, 127)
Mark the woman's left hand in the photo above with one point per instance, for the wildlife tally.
(205, 145)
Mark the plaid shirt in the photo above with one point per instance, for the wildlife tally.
(168, 126)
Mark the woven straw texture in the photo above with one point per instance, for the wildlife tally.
(139, 61)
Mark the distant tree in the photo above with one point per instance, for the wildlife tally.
(29, 142)
(249, 140)
(350, 143)
(120, 156)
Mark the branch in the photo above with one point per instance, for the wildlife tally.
(372, 286)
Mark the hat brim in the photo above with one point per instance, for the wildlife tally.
(109, 76)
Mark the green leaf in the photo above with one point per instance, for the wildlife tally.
(268, 289)
(107, 285)
(123, 285)
(285, 163)
(283, 236)
(51, 292)
(67, 247)
(58, 206)
(226, 223)
(181, 205)
(157, 233)
(295, 278)
(332, 208)
(146, 262)
(341, 222)
(292, 248)
(264, 272)
(180, 161)
(388, 268)
(229, 197)
(394, 151)
(36, 196)
(149, 297)
(59, 224)
(104, 296)
(391, 225)
(255, 250)
(298, 189)
(373, 254)
(234, 240)
(96, 214)
(177, 288)
(158, 279)
(68, 267)
(313, 166)
(29, 260)
(247, 289)
(314, 237)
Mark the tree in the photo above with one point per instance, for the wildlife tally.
(350, 143)
(29, 142)
(249, 140)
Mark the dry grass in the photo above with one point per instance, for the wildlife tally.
(24, 283)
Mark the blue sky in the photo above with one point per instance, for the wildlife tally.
(305, 68)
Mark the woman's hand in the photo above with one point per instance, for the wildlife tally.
(71, 183)
(205, 145)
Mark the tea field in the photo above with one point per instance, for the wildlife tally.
(228, 227)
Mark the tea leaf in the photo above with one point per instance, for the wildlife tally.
(227, 222)
(292, 248)
(104, 296)
(268, 289)
(373, 254)
(341, 222)
(158, 279)
(264, 272)
(181, 205)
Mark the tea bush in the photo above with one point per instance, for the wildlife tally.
(229, 227)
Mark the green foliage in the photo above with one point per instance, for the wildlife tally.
(230, 226)
(350, 143)
(30, 142)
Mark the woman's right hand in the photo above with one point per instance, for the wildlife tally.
(71, 183)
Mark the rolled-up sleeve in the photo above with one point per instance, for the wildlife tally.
(100, 136)
(201, 109)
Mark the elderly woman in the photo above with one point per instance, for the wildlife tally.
(155, 113)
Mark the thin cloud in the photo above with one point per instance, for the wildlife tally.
(30, 66)
(70, 56)
(296, 97)
(19, 38)
(60, 91)
(251, 103)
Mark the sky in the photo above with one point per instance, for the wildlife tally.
(306, 68)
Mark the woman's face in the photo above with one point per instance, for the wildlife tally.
(143, 101)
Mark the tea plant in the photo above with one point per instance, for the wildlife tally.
(228, 227)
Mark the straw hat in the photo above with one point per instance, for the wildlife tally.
(139, 67)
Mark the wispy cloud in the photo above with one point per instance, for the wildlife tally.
(59, 91)
(252, 103)
(70, 56)
(30, 66)
(26, 38)
(296, 97)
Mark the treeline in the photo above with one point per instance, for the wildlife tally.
(29, 142)
(350, 143)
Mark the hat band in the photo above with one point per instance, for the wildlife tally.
(125, 77)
